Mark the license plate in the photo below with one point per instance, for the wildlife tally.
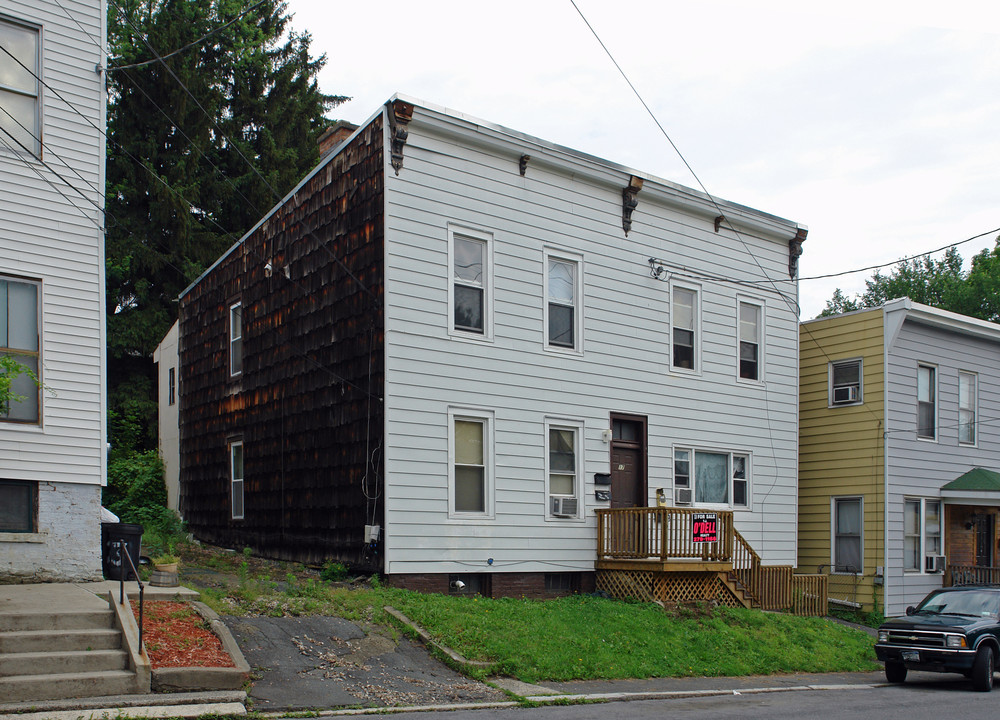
(911, 655)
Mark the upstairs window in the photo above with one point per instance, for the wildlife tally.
(19, 339)
(235, 339)
(967, 402)
(683, 328)
(171, 386)
(749, 343)
(562, 309)
(845, 382)
(469, 293)
(20, 122)
(926, 402)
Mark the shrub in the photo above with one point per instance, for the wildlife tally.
(333, 571)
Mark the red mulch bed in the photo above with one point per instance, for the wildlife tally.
(175, 635)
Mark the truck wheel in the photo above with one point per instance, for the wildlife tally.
(895, 672)
(982, 670)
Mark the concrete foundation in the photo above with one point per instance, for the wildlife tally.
(67, 546)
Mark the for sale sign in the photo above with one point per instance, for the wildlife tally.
(705, 527)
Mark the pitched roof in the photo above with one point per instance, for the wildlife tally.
(976, 479)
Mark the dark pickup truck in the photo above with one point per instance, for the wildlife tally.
(954, 629)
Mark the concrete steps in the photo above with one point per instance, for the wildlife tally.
(62, 653)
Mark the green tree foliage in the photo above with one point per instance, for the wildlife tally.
(939, 283)
(189, 174)
(11, 370)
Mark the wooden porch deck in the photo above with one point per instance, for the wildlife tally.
(653, 554)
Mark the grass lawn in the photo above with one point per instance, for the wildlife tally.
(572, 638)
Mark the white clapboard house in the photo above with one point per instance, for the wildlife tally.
(52, 440)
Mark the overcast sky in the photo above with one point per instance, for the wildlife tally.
(876, 124)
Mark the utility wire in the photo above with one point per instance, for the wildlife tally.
(191, 44)
(239, 152)
(902, 260)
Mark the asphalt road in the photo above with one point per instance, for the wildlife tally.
(941, 697)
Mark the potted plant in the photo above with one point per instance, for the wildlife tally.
(166, 563)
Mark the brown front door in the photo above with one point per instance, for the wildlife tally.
(628, 461)
(984, 540)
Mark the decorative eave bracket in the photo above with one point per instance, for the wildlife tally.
(795, 252)
(523, 163)
(630, 201)
(400, 113)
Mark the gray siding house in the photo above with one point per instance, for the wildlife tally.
(558, 334)
(52, 441)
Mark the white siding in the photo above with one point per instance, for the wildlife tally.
(462, 174)
(919, 468)
(53, 235)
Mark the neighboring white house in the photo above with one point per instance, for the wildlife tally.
(52, 442)
(471, 339)
(165, 357)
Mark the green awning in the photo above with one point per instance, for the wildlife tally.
(976, 479)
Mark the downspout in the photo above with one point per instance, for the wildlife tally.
(885, 465)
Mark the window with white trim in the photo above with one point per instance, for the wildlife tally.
(968, 397)
(684, 328)
(847, 541)
(750, 334)
(236, 477)
(563, 467)
(20, 120)
(471, 464)
(235, 339)
(921, 532)
(845, 382)
(563, 294)
(927, 402)
(717, 478)
(20, 340)
(470, 289)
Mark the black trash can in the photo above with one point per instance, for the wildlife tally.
(115, 566)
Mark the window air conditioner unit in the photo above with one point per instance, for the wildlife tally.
(934, 563)
(564, 506)
(846, 394)
(682, 496)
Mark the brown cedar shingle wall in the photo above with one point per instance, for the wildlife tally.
(306, 432)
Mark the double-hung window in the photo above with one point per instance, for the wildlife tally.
(921, 533)
(236, 477)
(684, 328)
(20, 120)
(967, 402)
(563, 466)
(235, 339)
(563, 290)
(19, 340)
(750, 331)
(717, 478)
(845, 382)
(926, 402)
(470, 471)
(470, 285)
(847, 544)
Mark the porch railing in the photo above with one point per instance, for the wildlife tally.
(971, 575)
(809, 595)
(769, 585)
(656, 533)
